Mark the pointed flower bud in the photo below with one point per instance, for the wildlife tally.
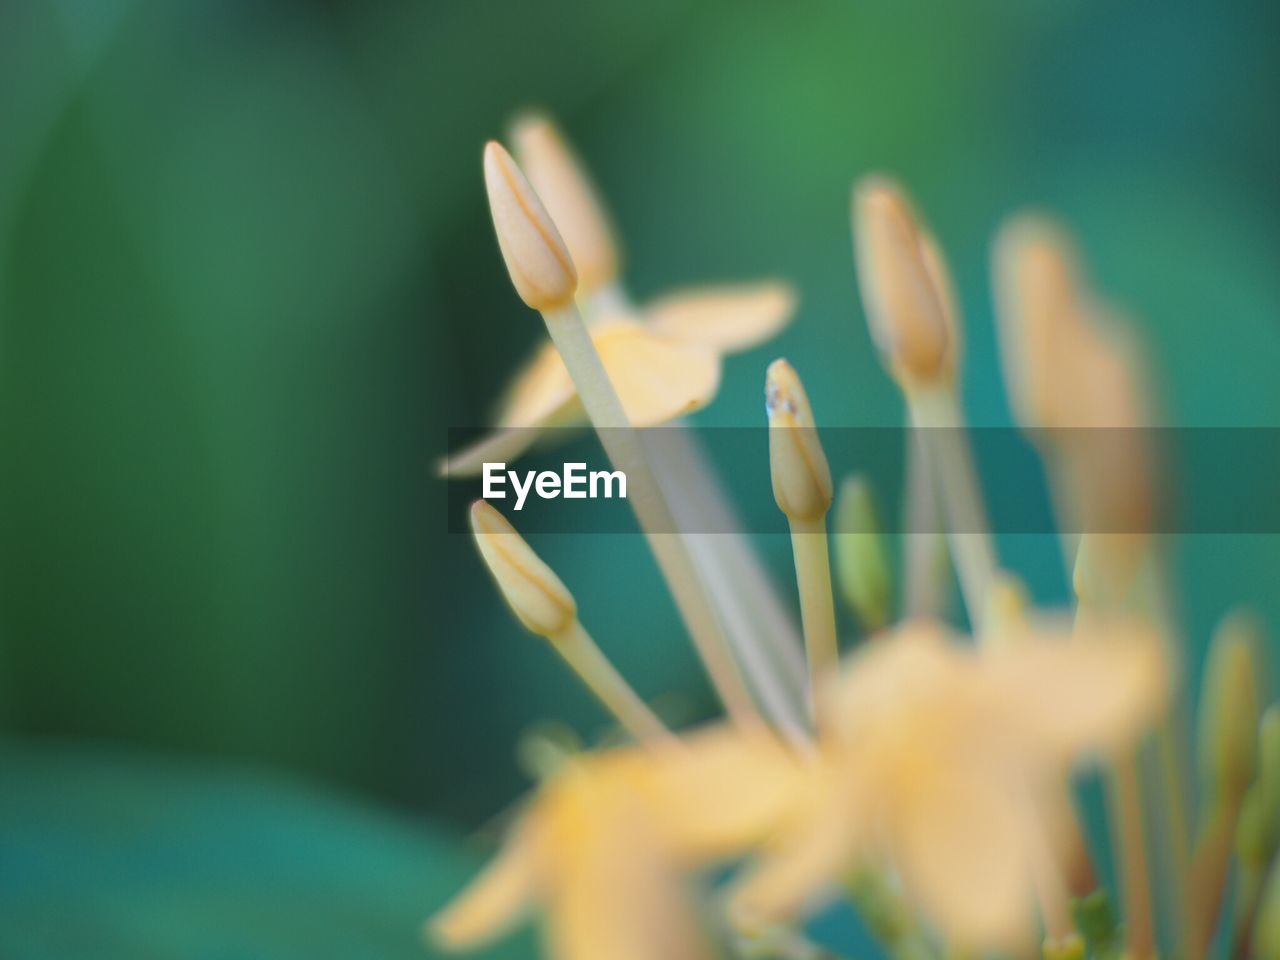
(862, 566)
(1229, 708)
(534, 593)
(899, 273)
(1258, 832)
(570, 198)
(801, 477)
(537, 259)
(1037, 286)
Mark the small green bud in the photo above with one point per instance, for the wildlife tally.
(1266, 930)
(1072, 948)
(1258, 830)
(1096, 920)
(1229, 709)
(862, 568)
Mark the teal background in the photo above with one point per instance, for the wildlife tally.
(248, 281)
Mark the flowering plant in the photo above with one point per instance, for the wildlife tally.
(925, 776)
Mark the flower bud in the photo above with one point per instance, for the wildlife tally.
(1229, 709)
(801, 477)
(532, 591)
(899, 283)
(862, 567)
(570, 198)
(537, 259)
(1258, 831)
(1266, 932)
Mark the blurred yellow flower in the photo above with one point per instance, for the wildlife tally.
(948, 765)
(606, 842)
(664, 359)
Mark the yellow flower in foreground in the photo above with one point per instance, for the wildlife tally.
(948, 765)
(664, 359)
(606, 842)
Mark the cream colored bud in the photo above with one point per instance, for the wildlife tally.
(801, 477)
(534, 593)
(1037, 287)
(539, 263)
(570, 198)
(905, 309)
(1229, 708)
(862, 564)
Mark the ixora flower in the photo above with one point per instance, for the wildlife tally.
(941, 761)
(664, 358)
(607, 841)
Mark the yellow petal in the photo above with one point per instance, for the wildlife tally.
(540, 390)
(501, 446)
(1064, 697)
(727, 318)
(493, 901)
(824, 844)
(721, 792)
(657, 378)
(957, 839)
(616, 899)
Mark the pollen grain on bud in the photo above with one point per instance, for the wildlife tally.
(534, 593)
(570, 197)
(537, 259)
(899, 273)
(801, 477)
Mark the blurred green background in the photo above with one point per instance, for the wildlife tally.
(248, 280)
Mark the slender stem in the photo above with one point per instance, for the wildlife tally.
(626, 453)
(763, 635)
(925, 565)
(946, 444)
(588, 662)
(817, 606)
(1125, 794)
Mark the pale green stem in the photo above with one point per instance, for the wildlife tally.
(817, 606)
(937, 416)
(626, 453)
(602, 678)
(762, 634)
(924, 561)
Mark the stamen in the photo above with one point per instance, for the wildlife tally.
(546, 608)
(914, 320)
(537, 260)
(1228, 762)
(802, 488)
(520, 222)
(1258, 832)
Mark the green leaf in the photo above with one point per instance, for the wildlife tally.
(108, 853)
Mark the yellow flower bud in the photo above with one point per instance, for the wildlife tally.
(862, 567)
(537, 259)
(1229, 708)
(534, 593)
(899, 282)
(570, 198)
(801, 477)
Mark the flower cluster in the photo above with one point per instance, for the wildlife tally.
(927, 775)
